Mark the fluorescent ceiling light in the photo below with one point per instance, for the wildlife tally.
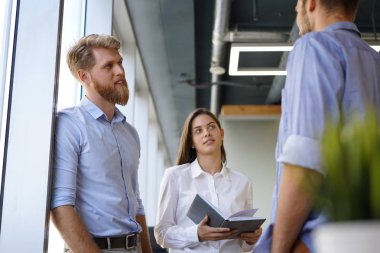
(258, 72)
(236, 48)
(261, 47)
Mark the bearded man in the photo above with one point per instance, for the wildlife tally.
(95, 197)
(331, 72)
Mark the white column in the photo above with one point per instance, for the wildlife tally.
(129, 54)
(152, 172)
(122, 29)
(141, 124)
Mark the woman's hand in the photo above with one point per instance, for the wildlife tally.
(207, 233)
(252, 237)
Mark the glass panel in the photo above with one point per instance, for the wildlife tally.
(32, 86)
(69, 91)
(6, 42)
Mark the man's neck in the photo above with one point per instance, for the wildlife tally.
(107, 107)
(325, 19)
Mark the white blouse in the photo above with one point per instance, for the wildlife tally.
(228, 190)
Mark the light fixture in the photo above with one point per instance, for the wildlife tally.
(376, 47)
(237, 48)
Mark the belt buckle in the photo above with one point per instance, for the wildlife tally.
(127, 241)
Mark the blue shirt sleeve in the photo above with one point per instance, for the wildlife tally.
(67, 150)
(313, 91)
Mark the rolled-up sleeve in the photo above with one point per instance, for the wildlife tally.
(65, 163)
(302, 151)
(312, 94)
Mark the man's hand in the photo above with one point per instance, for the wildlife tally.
(73, 230)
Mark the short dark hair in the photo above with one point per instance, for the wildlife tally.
(350, 7)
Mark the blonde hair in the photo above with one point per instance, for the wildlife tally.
(80, 55)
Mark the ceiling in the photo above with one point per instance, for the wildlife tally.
(175, 42)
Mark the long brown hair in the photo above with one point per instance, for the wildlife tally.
(186, 153)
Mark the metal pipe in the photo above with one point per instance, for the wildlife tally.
(221, 21)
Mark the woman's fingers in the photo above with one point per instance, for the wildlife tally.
(252, 237)
(206, 232)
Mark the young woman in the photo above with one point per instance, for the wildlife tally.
(201, 169)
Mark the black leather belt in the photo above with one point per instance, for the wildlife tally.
(120, 242)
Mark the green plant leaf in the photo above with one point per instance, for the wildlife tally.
(351, 159)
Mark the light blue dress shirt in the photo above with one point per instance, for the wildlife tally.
(327, 70)
(95, 169)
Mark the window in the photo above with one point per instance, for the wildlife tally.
(6, 42)
(30, 120)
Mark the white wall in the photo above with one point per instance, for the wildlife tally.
(250, 146)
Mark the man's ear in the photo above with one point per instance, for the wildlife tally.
(310, 5)
(83, 76)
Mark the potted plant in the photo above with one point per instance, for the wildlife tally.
(350, 191)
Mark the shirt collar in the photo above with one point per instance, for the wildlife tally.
(196, 170)
(97, 113)
(349, 26)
